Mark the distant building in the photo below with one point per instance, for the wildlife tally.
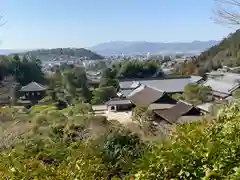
(222, 84)
(169, 85)
(33, 92)
(180, 113)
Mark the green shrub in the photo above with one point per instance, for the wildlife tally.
(66, 149)
(206, 150)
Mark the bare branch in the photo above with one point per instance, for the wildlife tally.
(227, 12)
(1, 19)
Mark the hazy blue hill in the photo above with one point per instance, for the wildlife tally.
(10, 51)
(142, 47)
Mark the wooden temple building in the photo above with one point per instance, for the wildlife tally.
(33, 92)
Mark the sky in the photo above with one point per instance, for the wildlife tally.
(32, 24)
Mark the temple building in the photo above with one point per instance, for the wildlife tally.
(33, 92)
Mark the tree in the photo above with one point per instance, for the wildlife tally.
(1, 19)
(138, 69)
(177, 96)
(26, 70)
(103, 94)
(227, 12)
(236, 94)
(108, 78)
(104, 82)
(75, 82)
(196, 94)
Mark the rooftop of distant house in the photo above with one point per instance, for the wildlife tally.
(169, 85)
(222, 83)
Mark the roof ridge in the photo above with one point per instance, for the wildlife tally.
(156, 89)
(154, 78)
(138, 89)
(185, 102)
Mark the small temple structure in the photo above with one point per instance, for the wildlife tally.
(33, 92)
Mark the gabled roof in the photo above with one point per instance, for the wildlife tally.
(118, 102)
(222, 86)
(145, 95)
(32, 87)
(225, 76)
(205, 107)
(173, 114)
(157, 106)
(170, 85)
(125, 92)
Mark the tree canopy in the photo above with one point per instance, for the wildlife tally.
(226, 53)
(196, 94)
(24, 69)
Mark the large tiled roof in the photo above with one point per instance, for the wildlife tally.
(226, 87)
(173, 114)
(32, 87)
(125, 92)
(168, 85)
(225, 76)
(125, 84)
(156, 106)
(205, 107)
(119, 102)
(145, 95)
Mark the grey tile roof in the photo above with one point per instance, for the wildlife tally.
(119, 102)
(126, 92)
(173, 114)
(33, 86)
(125, 84)
(225, 76)
(220, 94)
(205, 107)
(221, 86)
(168, 85)
(194, 79)
(144, 96)
(155, 106)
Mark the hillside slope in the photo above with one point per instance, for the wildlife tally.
(63, 54)
(227, 52)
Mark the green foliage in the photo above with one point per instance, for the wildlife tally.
(135, 69)
(144, 118)
(138, 69)
(186, 68)
(105, 82)
(119, 152)
(103, 94)
(177, 96)
(64, 52)
(74, 82)
(226, 53)
(25, 70)
(196, 94)
(236, 93)
(139, 114)
(98, 65)
(204, 150)
(54, 145)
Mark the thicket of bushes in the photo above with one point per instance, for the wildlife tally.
(74, 144)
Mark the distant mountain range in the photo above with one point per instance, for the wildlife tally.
(143, 47)
(10, 51)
